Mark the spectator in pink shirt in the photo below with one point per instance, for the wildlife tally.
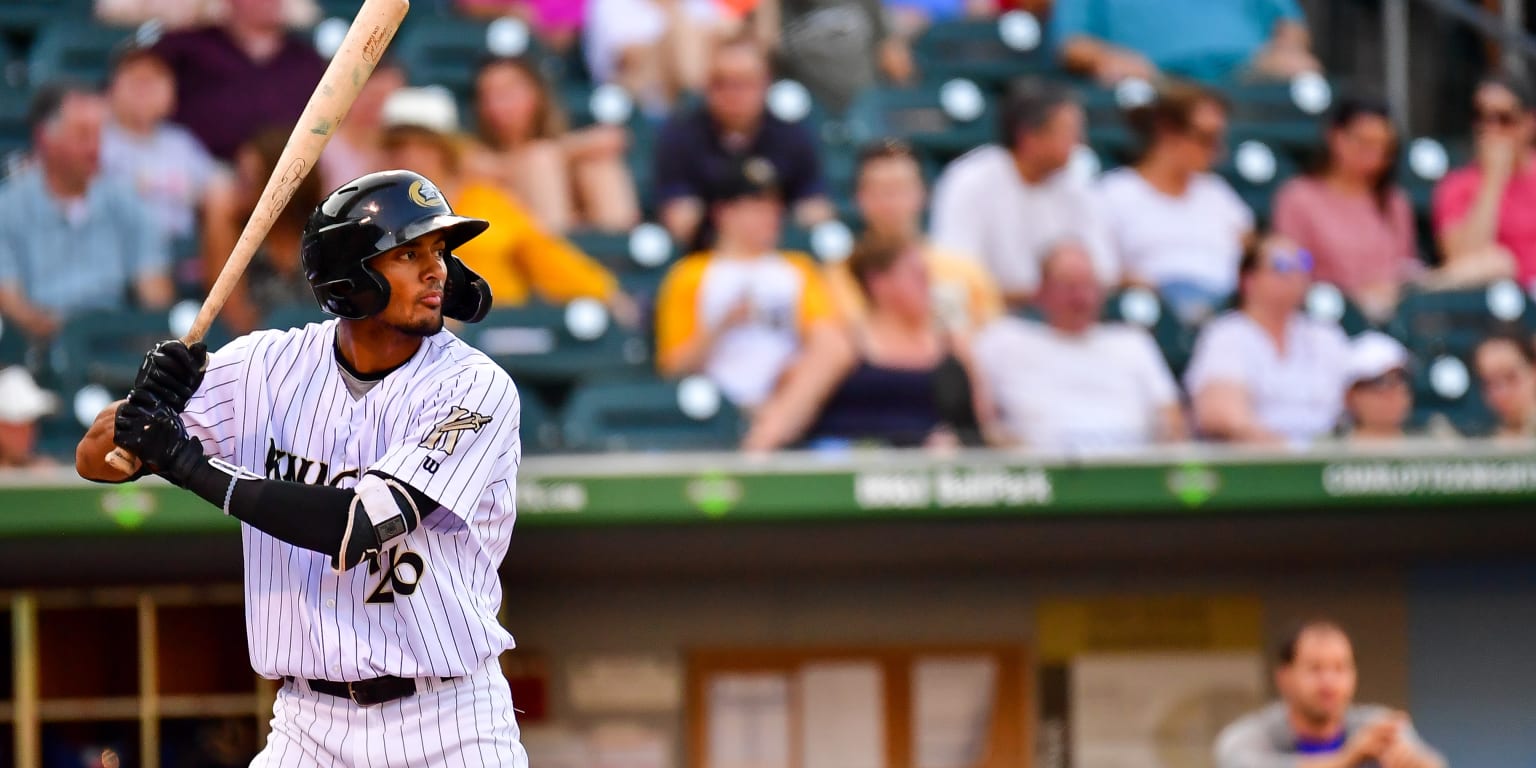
(1485, 213)
(1349, 214)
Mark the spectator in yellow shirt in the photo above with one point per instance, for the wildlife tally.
(889, 191)
(742, 313)
(517, 257)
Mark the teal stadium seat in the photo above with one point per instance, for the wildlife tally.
(106, 347)
(14, 135)
(444, 50)
(13, 345)
(1256, 170)
(1145, 309)
(990, 52)
(1267, 113)
(294, 316)
(646, 415)
(1443, 385)
(537, 427)
(1453, 322)
(638, 258)
(541, 344)
(25, 17)
(74, 49)
(1273, 113)
(1422, 163)
(944, 120)
(585, 105)
(1327, 303)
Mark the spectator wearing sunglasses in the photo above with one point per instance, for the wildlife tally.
(1506, 369)
(1351, 214)
(1485, 213)
(1267, 373)
(1174, 225)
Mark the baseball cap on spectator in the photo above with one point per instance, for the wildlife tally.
(1372, 355)
(751, 176)
(426, 112)
(21, 400)
(129, 51)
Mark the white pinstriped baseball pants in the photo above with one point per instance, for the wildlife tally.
(469, 723)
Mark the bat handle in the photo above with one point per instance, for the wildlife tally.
(123, 461)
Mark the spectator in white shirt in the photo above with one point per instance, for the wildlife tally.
(1175, 225)
(1008, 204)
(1072, 383)
(1267, 373)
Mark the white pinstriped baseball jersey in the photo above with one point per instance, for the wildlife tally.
(446, 423)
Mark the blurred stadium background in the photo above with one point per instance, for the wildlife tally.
(677, 603)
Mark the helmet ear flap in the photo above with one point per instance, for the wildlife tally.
(467, 297)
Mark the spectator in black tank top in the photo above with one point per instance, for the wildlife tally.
(897, 379)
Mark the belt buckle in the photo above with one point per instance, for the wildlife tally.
(356, 696)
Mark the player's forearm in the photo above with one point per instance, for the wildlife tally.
(91, 453)
(314, 517)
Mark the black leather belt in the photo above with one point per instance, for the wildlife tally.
(366, 693)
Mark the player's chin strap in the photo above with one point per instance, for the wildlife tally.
(389, 513)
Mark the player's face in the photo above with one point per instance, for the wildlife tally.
(1320, 683)
(417, 273)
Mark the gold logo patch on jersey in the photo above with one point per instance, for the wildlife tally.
(424, 194)
(445, 436)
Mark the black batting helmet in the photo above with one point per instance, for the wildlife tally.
(370, 215)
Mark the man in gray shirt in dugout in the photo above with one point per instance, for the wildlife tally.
(1315, 725)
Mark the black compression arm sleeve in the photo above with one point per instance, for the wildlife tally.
(314, 517)
(310, 516)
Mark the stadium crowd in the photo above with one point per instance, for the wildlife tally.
(979, 316)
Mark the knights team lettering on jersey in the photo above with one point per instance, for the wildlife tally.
(446, 423)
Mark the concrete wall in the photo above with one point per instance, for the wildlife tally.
(1472, 662)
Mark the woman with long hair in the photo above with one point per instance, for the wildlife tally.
(1349, 212)
(275, 277)
(1175, 225)
(1267, 373)
(568, 179)
(898, 379)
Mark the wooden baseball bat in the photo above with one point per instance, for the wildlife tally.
(366, 39)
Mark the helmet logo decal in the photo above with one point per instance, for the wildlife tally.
(424, 193)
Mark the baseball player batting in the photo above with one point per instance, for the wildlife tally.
(371, 460)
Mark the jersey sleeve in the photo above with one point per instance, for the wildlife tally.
(457, 438)
(216, 412)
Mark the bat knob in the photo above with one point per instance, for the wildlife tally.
(123, 461)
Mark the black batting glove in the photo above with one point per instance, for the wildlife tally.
(152, 431)
(172, 372)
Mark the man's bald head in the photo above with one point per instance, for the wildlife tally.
(1070, 295)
